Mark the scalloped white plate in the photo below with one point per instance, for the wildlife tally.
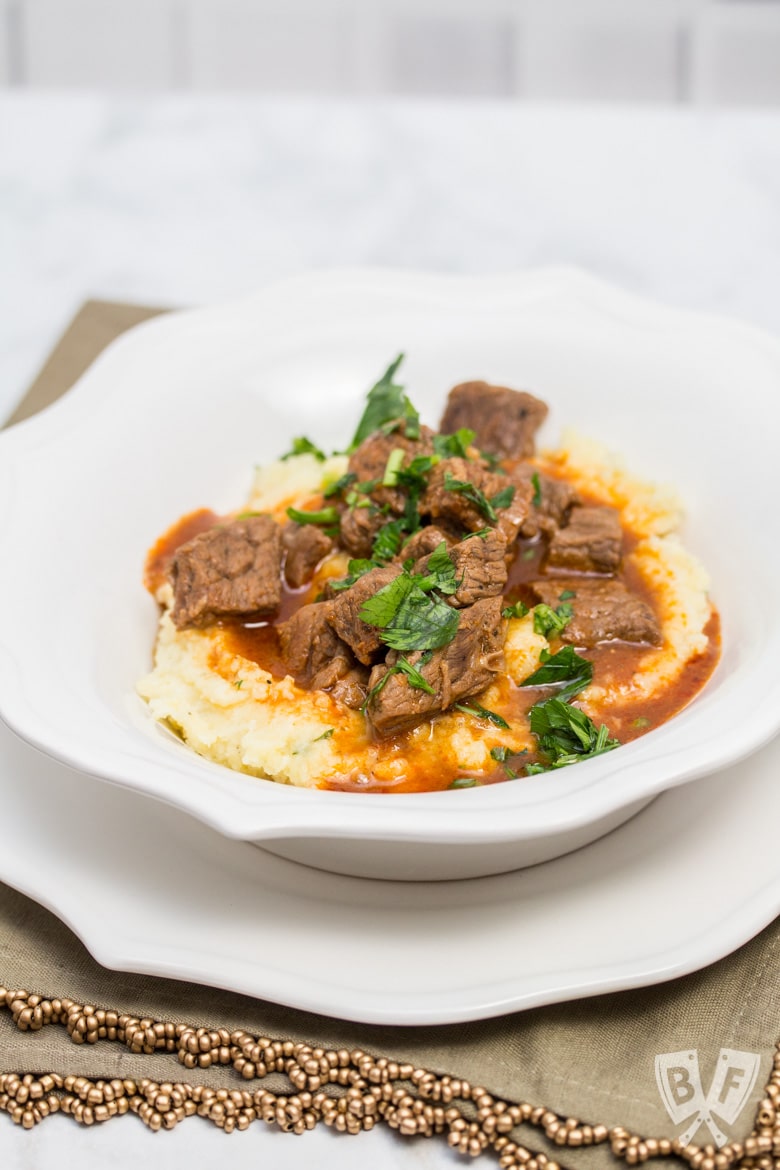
(684, 883)
(174, 415)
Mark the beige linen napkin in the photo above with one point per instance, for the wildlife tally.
(673, 1071)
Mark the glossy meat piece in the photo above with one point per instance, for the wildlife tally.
(480, 568)
(305, 545)
(604, 610)
(505, 421)
(344, 612)
(232, 569)
(590, 543)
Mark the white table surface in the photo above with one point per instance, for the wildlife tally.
(189, 200)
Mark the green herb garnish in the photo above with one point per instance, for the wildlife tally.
(401, 666)
(566, 595)
(464, 782)
(325, 517)
(454, 446)
(566, 734)
(551, 621)
(409, 615)
(339, 485)
(482, 713)
(304, 446)
(566, 669)
(641, 721)
(518, 610)
(393, 466)
(477, 497)
(537, 496)
(481, 533)
(325, 735)
(440, 572)
(387, 542)
(238, 683)
(386, 407)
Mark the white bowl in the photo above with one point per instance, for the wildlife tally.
(174, 415)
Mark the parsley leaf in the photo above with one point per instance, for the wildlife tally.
(455, 445)
(410, 618)
(304, 446)
(324, 517)
(387, 542)
(503, 498)
(518, 610)
(478, 498)
(566, 667)
(386, 404)
(394, 461)
(325, 735)
(441, 571)
(338, 485)
(482, 713)
(551, 621)
(481, 533)
(566, 595)
(355, 570)
(566, 734)
(537, 486)
(464, 782)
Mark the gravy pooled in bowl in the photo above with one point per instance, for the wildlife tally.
(433, 609)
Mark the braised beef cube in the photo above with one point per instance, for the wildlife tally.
(604, 610)
(480, 568)
(351, 690)
(344, 612)
(504, 421)
(314, 653)
(556, 499)
(231, 569)
(358, 529)
(369, 463)
(458, 504)
(590, 542)
(306, 545)
(424, 542)
(461, 669)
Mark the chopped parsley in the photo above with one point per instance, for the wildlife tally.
(387, 407)
(537, 496)
(440, 572)
(464, 782)
(238, 683)
(518, 610)
(387, 542)
(454, 446)
(339, 485)
(641, 721)
(401, 666)
(566, 734)
(481, 533)
(502, 754)
(304, 446)
(566, 595)
(566, 669)
(478, 498)
(394, 462)
(552, 621)
(325, 517)
(409, 614)
(325, 735)
(482, 713)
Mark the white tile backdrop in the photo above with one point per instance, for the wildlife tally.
(703, 51)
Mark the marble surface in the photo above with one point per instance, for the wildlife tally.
(182, 200)
(185, 200)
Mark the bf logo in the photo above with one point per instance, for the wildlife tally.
(679, 1084)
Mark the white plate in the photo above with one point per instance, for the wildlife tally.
(150, 890)
(175, 415)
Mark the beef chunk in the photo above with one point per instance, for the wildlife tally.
(316, 656)
(425, 541)
(369, 462)
(453, 506)
(463, 668)
(480, 568)
(590, 542)
(556, 499)
(306, 545)
(231, 569)
(351, 690)
(358, 528)
(344, 611)
(603, 610)
(504, 421)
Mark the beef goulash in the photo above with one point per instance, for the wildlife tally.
(433, 609)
